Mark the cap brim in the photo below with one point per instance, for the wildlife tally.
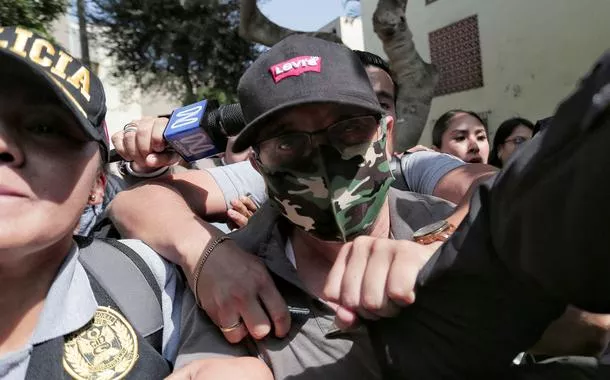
(248, 135)
(12, 63)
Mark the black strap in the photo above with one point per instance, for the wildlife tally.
(140, 263)
(103, 283)
(103, 299)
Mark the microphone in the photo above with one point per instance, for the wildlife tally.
(199, 130)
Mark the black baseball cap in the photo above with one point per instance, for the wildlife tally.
(71, 81)
(301, 70)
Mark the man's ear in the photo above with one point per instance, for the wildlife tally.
(253, 162)
(389, 147)
(96, 196)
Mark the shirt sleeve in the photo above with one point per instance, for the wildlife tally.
(423, 170)
(239, 179)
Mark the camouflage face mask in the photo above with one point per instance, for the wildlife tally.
(334, 196)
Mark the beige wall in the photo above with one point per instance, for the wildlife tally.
(533, 51)
(348, 29)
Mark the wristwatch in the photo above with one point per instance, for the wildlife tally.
(439, 231)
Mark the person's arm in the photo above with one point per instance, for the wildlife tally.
(459, 184)
(442, 175)
(576, 332)
(158, 214)
(446, 177)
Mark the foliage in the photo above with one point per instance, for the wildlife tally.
(185, 50)
(32, 14)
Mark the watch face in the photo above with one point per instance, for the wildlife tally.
(431, 229)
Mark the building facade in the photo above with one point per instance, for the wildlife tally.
(502, 58)
(348, 29)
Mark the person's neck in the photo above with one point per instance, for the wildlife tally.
(330, 249)
(25, 284)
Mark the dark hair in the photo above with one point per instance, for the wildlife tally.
(370, 59)
(442, 124)
(504, 130)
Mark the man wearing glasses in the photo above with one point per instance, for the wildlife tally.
(322, 143)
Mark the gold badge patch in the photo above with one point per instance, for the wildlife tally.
(106, 348)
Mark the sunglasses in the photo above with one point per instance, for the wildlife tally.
(289, 150)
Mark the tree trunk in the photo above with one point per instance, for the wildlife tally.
(82, 26)
(256, 27)
(415, 78)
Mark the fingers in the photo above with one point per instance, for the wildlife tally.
(157, 142)
(373, 278)
(373, 293)
(402, 277)
(142, 139)
(351, 284)
(158, 160)
(332, 288)
(249, 203)
(276, 309)
(243, 209)
(145, 146)
(345, 319)
(228, 317)
(256, 319)
(240, 207)
(131, 147)
(238, 219)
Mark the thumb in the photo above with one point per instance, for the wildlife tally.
(345, 319)
(159, 160)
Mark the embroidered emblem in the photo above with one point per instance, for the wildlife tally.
(295, 67)
(106, 348)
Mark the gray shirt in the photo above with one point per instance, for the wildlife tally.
(314, 349)
(70, 304)
(422, 171)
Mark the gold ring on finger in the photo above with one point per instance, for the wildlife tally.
(233, 327)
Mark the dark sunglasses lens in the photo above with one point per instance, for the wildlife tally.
(353, 132)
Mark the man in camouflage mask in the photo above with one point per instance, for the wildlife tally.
(337, 193)
(328, 175)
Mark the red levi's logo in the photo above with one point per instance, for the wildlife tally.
(295, 67)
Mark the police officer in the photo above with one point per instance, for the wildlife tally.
(101, 310)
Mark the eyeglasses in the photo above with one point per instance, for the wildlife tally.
(290, 149)
(516, 140)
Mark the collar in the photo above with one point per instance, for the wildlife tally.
(70, 302)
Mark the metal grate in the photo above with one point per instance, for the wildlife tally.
(455, 50)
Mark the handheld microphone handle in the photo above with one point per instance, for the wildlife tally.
(232, 119)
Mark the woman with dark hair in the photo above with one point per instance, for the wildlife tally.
(509, 136)
(71, 309)
(462, 134)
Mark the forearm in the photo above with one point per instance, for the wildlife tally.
(459, 184)
(463, 207)
(575, 333)
(157, 214)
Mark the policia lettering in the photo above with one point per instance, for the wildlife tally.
(44, 54)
